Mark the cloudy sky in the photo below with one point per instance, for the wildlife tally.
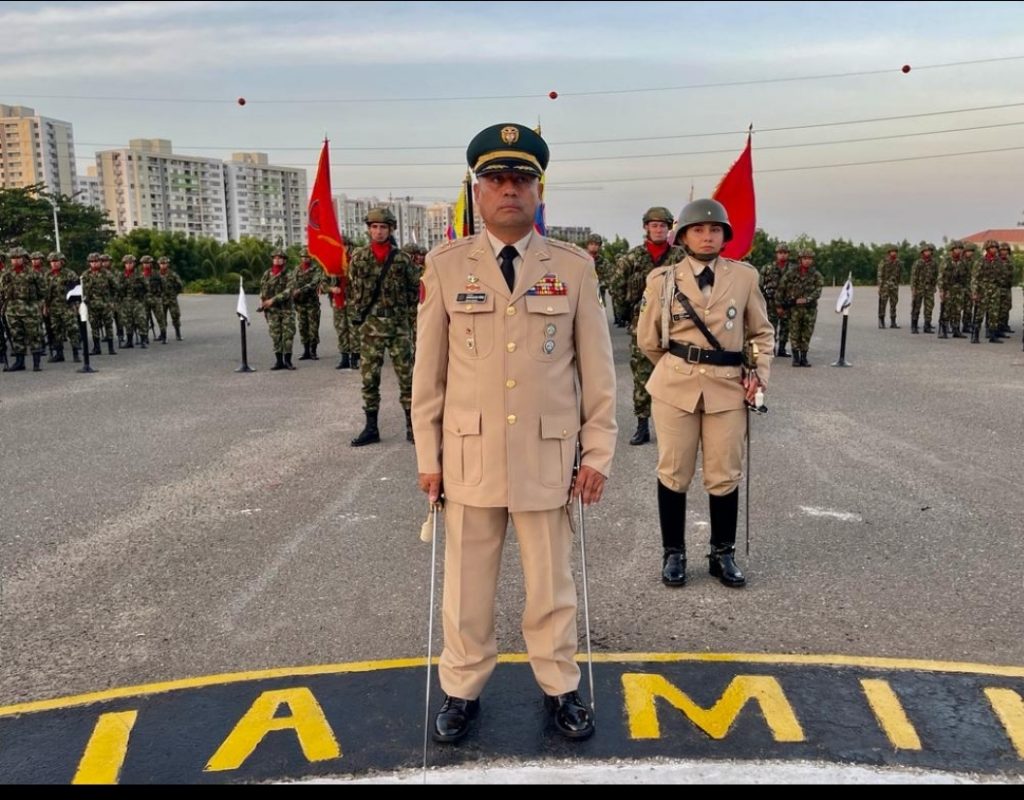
(651, 98)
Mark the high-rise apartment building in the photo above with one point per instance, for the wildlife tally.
(90, 192)
(265, 201)
(35, 149)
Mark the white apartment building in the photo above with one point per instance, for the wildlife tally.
(35, 149)
(89, 191)
(265, 201)
(417, 222)
(148, 186)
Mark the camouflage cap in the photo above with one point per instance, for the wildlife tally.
(146, 260)
(595, 238)
(163, 260)
(18, 252)
(383, 215)
(508, 147)
(37, 256)
(55, 256)
(128, 259)
(991, 243)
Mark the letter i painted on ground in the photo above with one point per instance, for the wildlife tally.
(104, 754)
(306, 718)
(1009, 707)
(891, 717)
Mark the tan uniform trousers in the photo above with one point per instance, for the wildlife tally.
(474, 540)
(721, 439)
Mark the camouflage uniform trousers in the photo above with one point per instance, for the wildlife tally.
(925, 297)
(780, 323)
(26, 321)
(101, 320)
(642, 369)
(171, 307)
(347, 340)
(953, 305)
(888, 293)
(134, 317)
(376, 336)
(308, 317)
(282, 329)
(64, 324)
(156, 305)
(801, 326)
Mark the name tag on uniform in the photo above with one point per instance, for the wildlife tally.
(471, 297)
(680, 317)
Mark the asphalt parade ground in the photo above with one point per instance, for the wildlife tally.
(202, 582)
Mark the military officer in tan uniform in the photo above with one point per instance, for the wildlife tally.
(700, 384)
(513, 366)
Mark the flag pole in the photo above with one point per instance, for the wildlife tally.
(243, 320)
(842, 362)
(245, 352)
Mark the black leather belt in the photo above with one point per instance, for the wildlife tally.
(694, 355)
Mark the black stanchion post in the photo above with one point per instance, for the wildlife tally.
(842, 362)
(83, 334)
(245, 351)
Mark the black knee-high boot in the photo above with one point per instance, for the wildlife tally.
(672, 515)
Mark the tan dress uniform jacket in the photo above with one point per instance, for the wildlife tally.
(680, 383)
(505, 381)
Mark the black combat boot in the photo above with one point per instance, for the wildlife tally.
(177, 333)
(370, 434)
(344, 363)
(928, 326)
(672, 516)
(288, 362)
(892, 323)
(408, 426)
(355, 360)
(163, 336)
(643, 431)
(74, 355)
(992, 335)
(120, 339)
(881, 322)
(783, 353)
(144, 341)
(58, 355)
(913, 326)
(312, 352)
(305, 354)
(96, 351)
(17, 366)
(110, 347)
(721, 559)
(803, 359)
(796, 358)
(956, 332)
(129, 341)
(37, 359)
(975, 335)
(279, 364)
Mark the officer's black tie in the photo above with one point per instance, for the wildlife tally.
(706, 278)
(508, 265)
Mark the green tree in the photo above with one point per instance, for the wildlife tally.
(26, 220)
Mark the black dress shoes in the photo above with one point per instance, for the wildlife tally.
(572, 718)
(452, 721)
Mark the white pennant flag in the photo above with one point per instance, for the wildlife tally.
(242, 310)
(76, 294)
(845, 299)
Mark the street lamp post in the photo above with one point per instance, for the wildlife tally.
(56, 224)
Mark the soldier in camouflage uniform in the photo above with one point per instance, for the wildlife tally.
(889, 285)
(4, 278)
(307, 284)
(63, 323)
(38, 262)
(336, 287)
(173, 286)
(924, 276)
(155, 298)
(98, 294)
(133, 307)
(771, 274)
(601, 264)
(117, 295)
(970, 264)
(986, 288)
(383, 293)
(276, 302)
(798, 293)
(629, 282)
(952, 274)
(1006, 295)
(24, 297)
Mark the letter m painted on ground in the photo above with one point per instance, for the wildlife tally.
(642, 691)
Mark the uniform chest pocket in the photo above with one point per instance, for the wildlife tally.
(549, 326)
(471, 330)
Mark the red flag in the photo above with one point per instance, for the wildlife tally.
(736, 193)
(325, 242)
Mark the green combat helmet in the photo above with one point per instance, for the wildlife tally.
(163, 260)
(381, 215)
(956, 244)
(93, 257)
(806, 253)
(701, 211)
(782, 247)
(928, 246)
(659, 214)
(595, 238)
(18, 252)
(128, 259)
(55, 256)
(37, 256)
(971, 247)
(146, 260)
(411, 248)
(991, 243)
(279, 253)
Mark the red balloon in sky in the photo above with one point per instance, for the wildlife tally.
(553, 95)
(241, 101)
(906, 68)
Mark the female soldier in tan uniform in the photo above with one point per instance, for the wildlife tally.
(699, 386)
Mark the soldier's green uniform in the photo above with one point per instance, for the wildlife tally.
(953, 279)
(308, 283)
(63, 323)
(1006, 293)
(970, 262)
(173, 286)
(116, 296)
(986, 292)
(24, 294)
(4, 278)
(770, 275)
(604, 268)
(155, 298)
(924, 277)
(629, 282)
(133, 307)
(348, 343)
(276, 295)
(98, 294)
(889, 286)
(803, 282)
(383, 296)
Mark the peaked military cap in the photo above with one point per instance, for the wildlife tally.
(508, 147)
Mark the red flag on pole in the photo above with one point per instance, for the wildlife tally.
(322, 233)
(736, 193)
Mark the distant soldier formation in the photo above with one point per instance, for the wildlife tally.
(36, 318)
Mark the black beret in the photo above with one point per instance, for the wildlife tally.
(508, 148)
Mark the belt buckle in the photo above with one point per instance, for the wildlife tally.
(689, 354)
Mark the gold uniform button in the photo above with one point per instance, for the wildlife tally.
(565, 434)
(703, 372)
(551, 310)
(469, 309)
(511, 311)
(511, 347)
(511, 384)
(512, 419)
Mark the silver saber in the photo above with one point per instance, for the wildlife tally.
(435, 509)
(586, 591)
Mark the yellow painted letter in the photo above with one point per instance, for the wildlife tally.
(890, 715)
(104, 755)
(642, 690)
(1009, 707)
(307, 720)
